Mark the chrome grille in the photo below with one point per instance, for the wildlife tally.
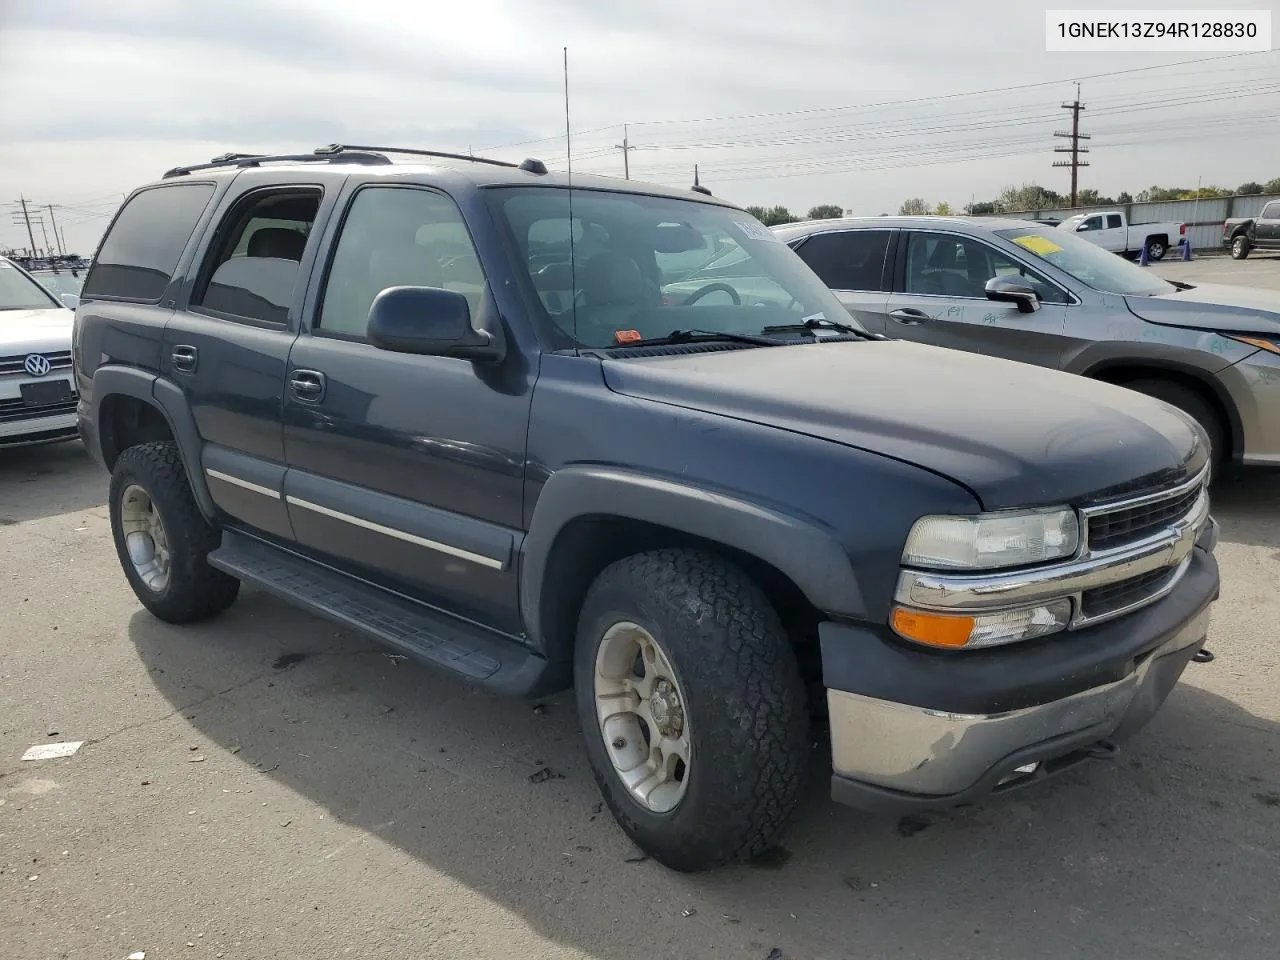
(58, 360)
(1133, 520)
(1117, 597)
(15, 409)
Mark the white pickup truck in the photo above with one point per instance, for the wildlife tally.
(1111, 231)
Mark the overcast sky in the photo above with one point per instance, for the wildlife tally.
(857, 103)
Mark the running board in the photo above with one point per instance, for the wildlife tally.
(502, 665)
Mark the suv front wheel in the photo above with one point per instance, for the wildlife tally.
(162, 539)
(692, 707)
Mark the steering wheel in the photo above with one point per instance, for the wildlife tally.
(716, 287)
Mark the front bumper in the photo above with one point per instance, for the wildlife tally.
(61, 426)
(914, 728)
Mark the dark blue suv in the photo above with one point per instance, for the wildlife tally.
(595, 434)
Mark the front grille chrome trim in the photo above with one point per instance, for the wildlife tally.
(1170, 548)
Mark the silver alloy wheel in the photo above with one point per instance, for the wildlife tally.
(641, 711)
(1155, 250)
(144, 538)
(1238, 247)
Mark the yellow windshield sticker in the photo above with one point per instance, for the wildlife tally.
(1038, 245)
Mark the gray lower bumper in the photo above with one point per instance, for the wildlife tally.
(888, 755)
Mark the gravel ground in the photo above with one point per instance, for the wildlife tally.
(266, 786)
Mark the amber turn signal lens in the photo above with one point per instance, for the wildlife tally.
(934, 629)
(1262, 343)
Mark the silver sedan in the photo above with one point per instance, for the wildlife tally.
(1015, 289)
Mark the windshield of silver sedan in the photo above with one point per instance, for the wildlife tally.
(20, 292)
(614, 269)
(1089, 264)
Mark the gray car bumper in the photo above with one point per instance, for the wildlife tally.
(891, 756)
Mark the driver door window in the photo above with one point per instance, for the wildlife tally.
(957, 267)
(395, 236)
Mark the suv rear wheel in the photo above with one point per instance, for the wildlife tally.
(162, 539)
(692, 707)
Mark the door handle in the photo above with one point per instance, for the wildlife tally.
(307, 385)
(184, 358)
(909, 315)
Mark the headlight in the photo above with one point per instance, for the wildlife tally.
(992, 540)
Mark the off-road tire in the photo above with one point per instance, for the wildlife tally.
(744, 703)
(1196, 407)
(195, 590)
(1240, 247)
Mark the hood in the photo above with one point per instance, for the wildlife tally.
(1213, 306)
(1014, 434)
(35, 331)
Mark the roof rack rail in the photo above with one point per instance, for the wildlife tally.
(530, 165)
(257, 159)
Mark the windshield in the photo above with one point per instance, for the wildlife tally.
(1091, 265)
(64, 281)
(20, 292)
(647, 266)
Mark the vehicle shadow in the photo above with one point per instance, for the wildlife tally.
(48, 480)
(1173, 849)
(1246, 508)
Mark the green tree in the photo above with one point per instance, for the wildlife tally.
(1028, 196)
(826, 211)
(915, 207)
(1250, 189)
(984, 208)
(1124, 197)
(1271, 186)
(943, 209)
(1090, 197)
(772, 216)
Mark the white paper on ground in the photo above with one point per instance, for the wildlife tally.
(51, 751)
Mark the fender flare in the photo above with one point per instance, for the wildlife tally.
(799, 547)
(168, 398)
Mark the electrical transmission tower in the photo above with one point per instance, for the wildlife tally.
(1075, 136)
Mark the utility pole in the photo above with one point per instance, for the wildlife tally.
(626, 148)
(54, 221)
(1075, 136)
(47, 249)
(30, 236)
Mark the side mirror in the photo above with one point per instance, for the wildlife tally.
(1017, 291)
(69, 300)
(432, 322)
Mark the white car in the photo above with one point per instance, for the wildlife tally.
(1111, 230)
(37, 393)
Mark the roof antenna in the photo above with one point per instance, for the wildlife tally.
(697, 185)
(568, 154)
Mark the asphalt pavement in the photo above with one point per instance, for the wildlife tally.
(265, 785)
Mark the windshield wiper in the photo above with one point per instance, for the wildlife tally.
(819, 322)
(1182, 286)
(700, 336)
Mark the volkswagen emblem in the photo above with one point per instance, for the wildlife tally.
(36, 365)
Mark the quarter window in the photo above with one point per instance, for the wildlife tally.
(252, 265)
(396, 237)
(949, 266)
(141, 250)
(848, 260)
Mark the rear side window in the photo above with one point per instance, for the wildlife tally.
(139, 254)
(1113, 221)
(252, 266)
(850, 260)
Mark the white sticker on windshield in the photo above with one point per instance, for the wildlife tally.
(754, 230)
